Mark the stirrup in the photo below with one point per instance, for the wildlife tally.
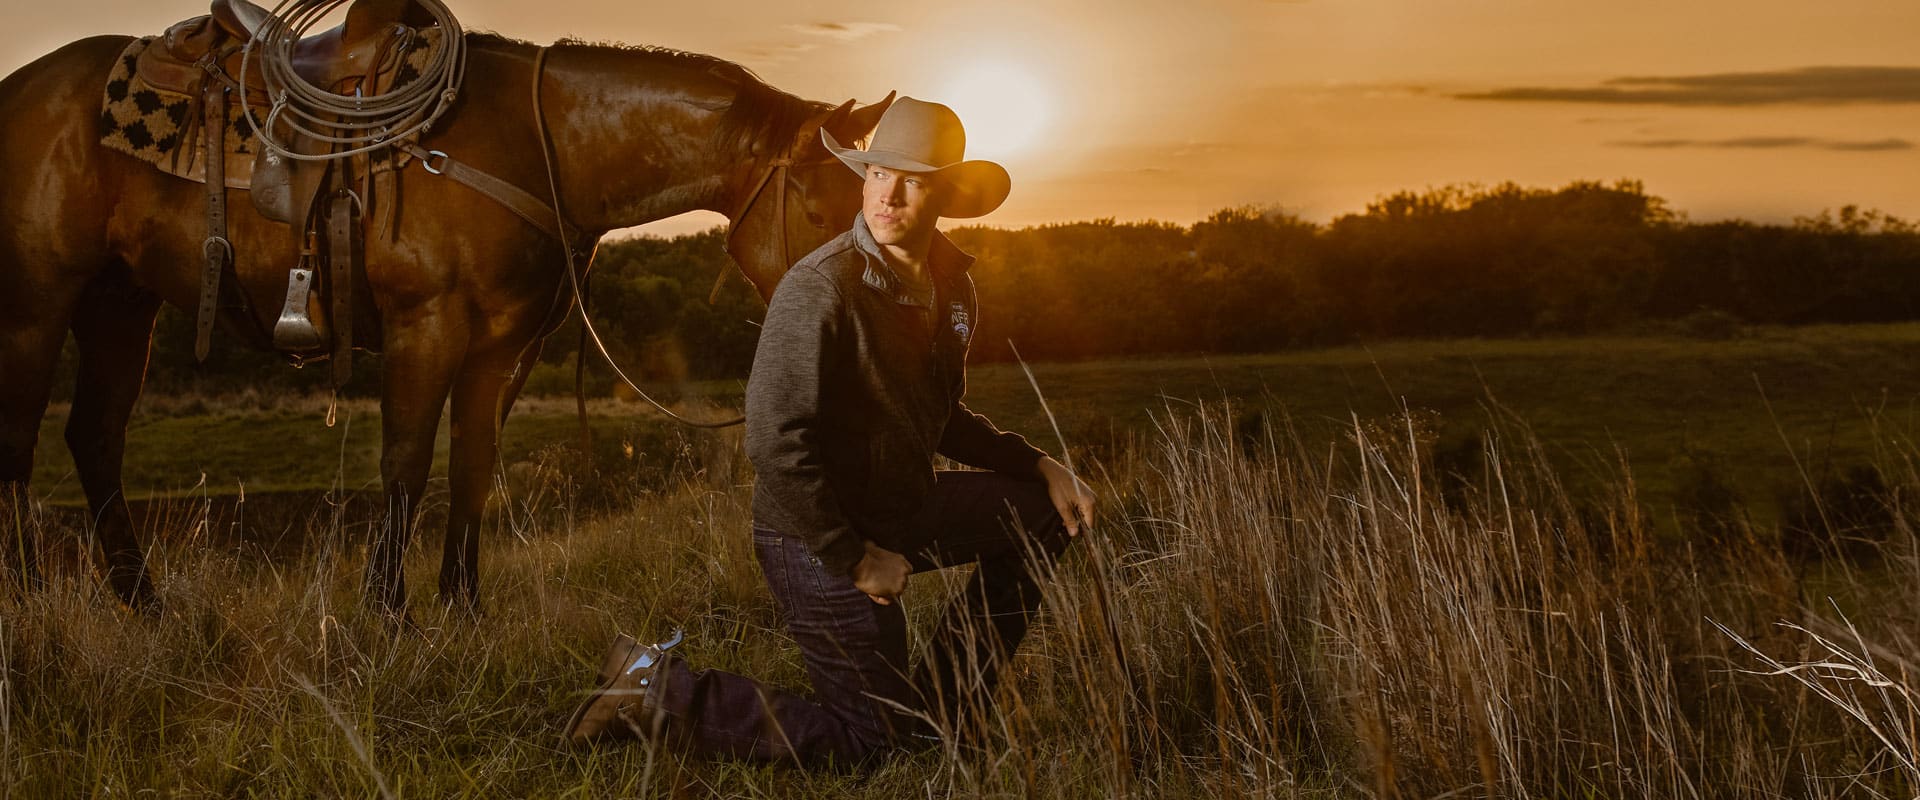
(295, 331)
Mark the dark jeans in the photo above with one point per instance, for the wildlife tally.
(865, 700)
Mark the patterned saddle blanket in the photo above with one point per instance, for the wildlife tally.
(151, 112)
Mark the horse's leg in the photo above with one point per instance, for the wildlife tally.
(481, 398)
(520, 372)
(52, 204)
(420, 360)
(113, 327)
(30, 343)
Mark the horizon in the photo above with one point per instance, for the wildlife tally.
(1681, 215)
(1761, 111)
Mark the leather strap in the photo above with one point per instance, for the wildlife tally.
(719, 282)
(216, 249)
(576, 272)
(779, 166)
(776, 171)
(340, 258)
(515, 199)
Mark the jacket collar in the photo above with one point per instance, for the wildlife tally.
(943, 258)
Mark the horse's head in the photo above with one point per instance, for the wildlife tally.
(815, 193)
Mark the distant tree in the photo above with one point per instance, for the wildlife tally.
(1457, 260)
(1259, 289)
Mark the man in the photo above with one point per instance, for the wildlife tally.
(856, 385)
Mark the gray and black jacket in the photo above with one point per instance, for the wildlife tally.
(857, 382)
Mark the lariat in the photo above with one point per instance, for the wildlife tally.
(352, 124)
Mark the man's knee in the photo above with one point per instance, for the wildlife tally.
(1036, 516)
(873, 732)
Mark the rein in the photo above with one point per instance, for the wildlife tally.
(780, 166)
(778, 169)
(536, 212)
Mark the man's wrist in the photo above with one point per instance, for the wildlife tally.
(843, 555)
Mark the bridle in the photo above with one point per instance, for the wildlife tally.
(778, 169)
(782, 165)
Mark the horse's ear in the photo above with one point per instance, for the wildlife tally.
(838, 119)
(861, 121)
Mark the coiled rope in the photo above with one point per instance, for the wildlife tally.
(352, 124)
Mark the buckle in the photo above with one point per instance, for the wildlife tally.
(651, 655)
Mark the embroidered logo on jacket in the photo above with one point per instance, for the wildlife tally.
(960, 320)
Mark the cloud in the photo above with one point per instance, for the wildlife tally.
(1806, 85)
(844, 31)
(1771, 143)
(778, 53)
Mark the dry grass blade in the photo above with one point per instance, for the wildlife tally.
(1262, 614)
(1885, 710)
(352, 736)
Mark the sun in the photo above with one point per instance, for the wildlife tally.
(1003, 105)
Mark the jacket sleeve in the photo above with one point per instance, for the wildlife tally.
(972, 440)
(795, 355)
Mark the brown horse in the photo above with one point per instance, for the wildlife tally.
(460, 298)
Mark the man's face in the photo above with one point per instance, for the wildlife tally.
(900, 207)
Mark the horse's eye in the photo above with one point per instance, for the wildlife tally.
(816, 220)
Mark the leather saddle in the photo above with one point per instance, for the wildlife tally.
(350, 56)
(368, 53)
(323, 202)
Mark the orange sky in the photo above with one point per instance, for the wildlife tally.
(1171, 110)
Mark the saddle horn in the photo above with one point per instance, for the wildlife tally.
(241, 18)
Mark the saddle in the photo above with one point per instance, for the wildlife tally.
(380, 45)
(167, 101)
(354, 55)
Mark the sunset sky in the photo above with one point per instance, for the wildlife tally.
(1763, 109)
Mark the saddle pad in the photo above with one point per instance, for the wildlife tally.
(150, 124)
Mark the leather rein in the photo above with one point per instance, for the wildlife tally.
(550, 218)
(780, 170)
(780, 167)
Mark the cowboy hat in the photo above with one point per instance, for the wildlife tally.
(918, 136)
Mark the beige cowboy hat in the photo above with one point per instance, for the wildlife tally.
(918, 136)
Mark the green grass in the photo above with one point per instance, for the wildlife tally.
(1762, 408)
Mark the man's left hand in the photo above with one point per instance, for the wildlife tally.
(1071, 496)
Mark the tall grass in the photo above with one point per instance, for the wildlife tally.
(1253, 617)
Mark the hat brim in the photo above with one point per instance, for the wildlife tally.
(976, 187)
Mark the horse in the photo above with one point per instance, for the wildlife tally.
(461, 296)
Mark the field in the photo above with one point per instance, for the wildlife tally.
(1481, 568)
(1758, 411)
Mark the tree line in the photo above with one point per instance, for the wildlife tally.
(1457, 261)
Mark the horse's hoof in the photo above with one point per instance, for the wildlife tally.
(461, 605)
(394, 618)
(149, 608)
(140, 599)
(400, 624)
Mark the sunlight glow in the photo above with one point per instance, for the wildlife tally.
(1004, 106)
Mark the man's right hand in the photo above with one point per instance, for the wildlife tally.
(881, 573)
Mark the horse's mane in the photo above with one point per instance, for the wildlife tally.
(759, 116)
